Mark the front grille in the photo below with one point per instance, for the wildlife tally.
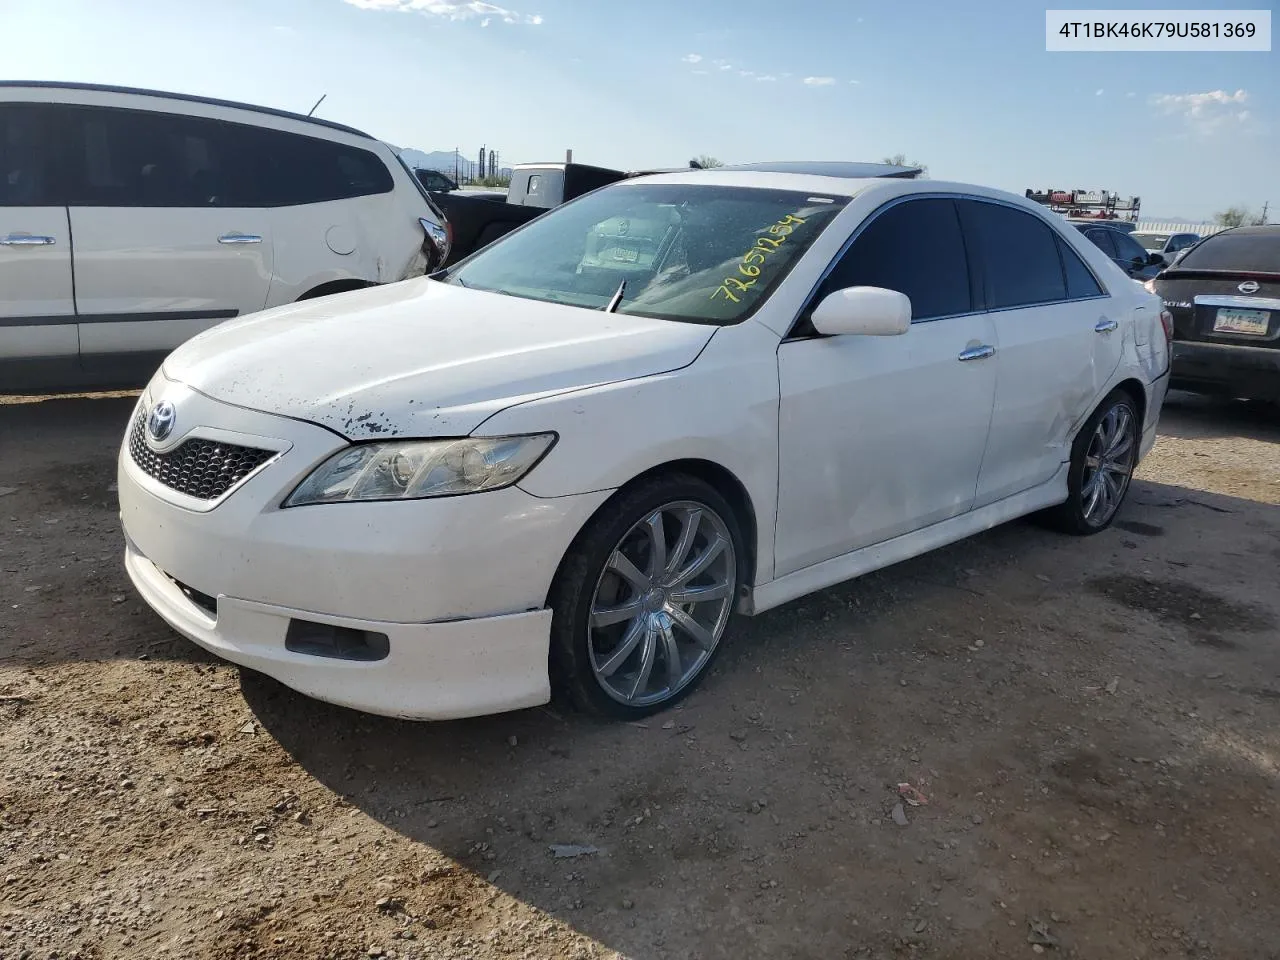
(204, 469)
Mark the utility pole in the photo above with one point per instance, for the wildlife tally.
(1265, 207)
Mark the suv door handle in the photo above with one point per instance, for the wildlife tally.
(978, 353)
(26, 240)
(1105, 326)
(239, 238)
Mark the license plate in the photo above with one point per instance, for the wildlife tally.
(626, 254)
(1233, 320)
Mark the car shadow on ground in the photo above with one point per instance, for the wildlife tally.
(1191, 416)
(776, 780)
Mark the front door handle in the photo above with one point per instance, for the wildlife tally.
(978, 353)
(1105, 326)
(26, 240)
(239, 238)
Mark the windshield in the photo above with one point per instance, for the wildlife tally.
(1151, 242)
(1250, 252)
(695, 253)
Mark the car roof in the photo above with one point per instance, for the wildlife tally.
(829, 168)
(187, 97)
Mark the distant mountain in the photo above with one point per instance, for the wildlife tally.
(442, 160)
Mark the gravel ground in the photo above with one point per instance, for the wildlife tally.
(1093, 724)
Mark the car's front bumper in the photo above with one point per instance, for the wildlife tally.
(1233, 370)
(458, 585)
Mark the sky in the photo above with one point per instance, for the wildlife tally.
(968, 90)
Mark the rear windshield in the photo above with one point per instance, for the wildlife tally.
(1243, 252)
(691, 252)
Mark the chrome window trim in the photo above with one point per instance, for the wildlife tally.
(907, 197)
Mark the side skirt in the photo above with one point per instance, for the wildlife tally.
(819, 576)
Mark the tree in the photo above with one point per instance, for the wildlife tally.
(1231, 217)
(705, 162)
(900, 160)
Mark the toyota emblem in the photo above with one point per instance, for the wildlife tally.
(1249, 286)
(160, 421)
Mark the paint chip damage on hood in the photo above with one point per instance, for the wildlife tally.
(422, 358)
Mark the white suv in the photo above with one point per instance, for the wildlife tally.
(132, 220)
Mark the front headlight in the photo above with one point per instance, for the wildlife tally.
(413, 469)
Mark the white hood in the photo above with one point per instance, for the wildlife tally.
(422, 358)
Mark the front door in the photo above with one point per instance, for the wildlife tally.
(879, 436)
(37, 309)
(161, 250)
(1058, 336)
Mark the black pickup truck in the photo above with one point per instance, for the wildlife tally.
(477, 219)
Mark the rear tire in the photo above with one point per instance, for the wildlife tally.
(643, 596)
(1103, 458)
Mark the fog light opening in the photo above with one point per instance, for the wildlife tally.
(337, 643)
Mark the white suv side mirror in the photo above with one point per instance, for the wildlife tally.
(864, 311)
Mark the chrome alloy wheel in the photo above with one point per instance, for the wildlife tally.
(661, 603)
(1108, 465)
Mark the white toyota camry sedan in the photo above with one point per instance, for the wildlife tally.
(566, 461)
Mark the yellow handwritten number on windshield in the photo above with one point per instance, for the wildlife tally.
(752, 260)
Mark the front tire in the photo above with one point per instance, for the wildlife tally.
(643, 597)
(1103, 458)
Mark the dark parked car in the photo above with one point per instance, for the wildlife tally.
(1224, 295)
(1127, 253)
(435, 181)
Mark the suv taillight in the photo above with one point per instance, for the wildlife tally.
(1166, 321)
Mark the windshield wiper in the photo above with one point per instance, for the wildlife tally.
(616, 299)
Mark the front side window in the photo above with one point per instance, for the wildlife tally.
(1018, 253)
(28, 156)
(916, 248)
(1182, 241)
(1129, 248)
(691, 252)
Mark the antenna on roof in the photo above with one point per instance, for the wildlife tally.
(318, 102)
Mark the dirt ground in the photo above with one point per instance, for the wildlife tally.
(1093, 722)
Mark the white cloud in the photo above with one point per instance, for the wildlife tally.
(1099, 92)
(1205, 113)
(692, 58)
(702, 73)
(451, 10)
(766, 78)
(746, 73)
(726, 66)
(855, 81)
(819, 81)
(1130, 94)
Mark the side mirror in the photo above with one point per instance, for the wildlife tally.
(863, 311)
(1157, 260)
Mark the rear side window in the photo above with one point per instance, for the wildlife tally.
(1238, 251)
(28, 156)
(1081, 282)
(145, 158)
(916, 248)
(1104, 240)
(1018, 253)
(291, 169)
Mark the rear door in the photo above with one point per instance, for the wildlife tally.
(1059, 338)
(37, 308)
(162, 250)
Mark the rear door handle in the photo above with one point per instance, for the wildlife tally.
(1105, 326)
(239, 238)
(26, 240)
(978, 353)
